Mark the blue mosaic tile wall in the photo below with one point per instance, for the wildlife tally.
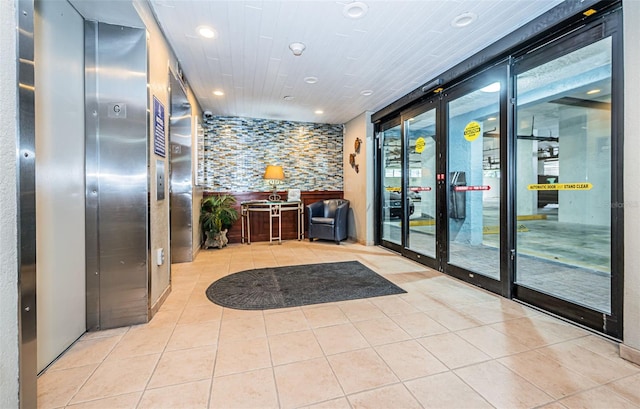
(234, 153)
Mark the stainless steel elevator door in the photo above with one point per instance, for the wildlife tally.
(117, 202)
(180, 163)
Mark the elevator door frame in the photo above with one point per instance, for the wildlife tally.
(180, 174)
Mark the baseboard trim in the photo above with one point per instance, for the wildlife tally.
(163, 297)
(630, 354)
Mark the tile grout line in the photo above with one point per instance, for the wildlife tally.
(215, 360)
(96, 368)
(155, 367)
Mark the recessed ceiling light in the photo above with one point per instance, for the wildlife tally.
(288, 98)
(494, 87)
(593, 91)
(319, 112)
(366, 92)
(206, 31)
(356, 9)
(311, 80)
(464, 19)
(218, 93)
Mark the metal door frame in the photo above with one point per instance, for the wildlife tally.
(26, 196)
(499, 72)
(379, 200)
(429, 104)
(610, 21)
(609, 324)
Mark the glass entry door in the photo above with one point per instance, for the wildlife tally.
(474, 180)
(441, 181)
(390, 140)
(511, 179)
(420, 142)
(564, 163)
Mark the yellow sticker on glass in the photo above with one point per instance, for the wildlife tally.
(420, 144)
(472, 131)
(561, 186)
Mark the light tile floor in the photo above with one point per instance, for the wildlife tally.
(444, 344)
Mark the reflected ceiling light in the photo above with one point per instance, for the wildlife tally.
(297, 48)
(491, 118)
(495, 87)
(366, 92)
(311, 80)
(464, 19)
(593, 91)
(206, 31)
(355, 10)
(319, 112)
(218, 93)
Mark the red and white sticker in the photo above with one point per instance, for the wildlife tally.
(470, 188)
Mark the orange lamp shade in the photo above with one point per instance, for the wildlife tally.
(274, 172)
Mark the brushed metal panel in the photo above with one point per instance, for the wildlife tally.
(91, 177)
(26, 206)
(160, 179)
(61, 289)
(180, 163)
(123, 186)
(117, 187)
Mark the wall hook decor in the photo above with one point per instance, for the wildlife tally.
(352, 162)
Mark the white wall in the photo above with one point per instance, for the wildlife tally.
(160, 59)
(60, 179)
(631, 347)
(358, 186)
(158, 68)
(9, 347)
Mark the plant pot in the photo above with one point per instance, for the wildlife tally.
(218, 240)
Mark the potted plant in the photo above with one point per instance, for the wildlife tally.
(217, 214)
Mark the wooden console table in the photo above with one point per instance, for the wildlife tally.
(275, 210)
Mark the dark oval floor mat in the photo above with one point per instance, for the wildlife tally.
(292, 286)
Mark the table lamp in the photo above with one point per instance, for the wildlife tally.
(274, 175)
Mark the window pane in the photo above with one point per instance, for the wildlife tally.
(474, 181)
(564, 177)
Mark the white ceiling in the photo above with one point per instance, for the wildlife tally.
(396, 47)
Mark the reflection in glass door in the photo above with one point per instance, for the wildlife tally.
(473, 148)
(420, 131)
(391, 178)
(564, 176)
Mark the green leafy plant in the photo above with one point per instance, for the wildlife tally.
(218, 213)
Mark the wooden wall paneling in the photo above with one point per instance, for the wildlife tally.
(260, 221)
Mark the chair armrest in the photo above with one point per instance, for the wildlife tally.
(342, 211)
(315, 210)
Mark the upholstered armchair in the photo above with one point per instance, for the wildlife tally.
(328, 220)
